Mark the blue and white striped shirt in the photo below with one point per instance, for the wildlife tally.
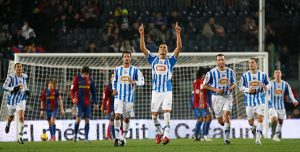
(277, 93)
(9, 84)
(161, 72)
(121, 82)
(220, 80)
(255, 81)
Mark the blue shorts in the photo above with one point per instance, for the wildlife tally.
(200, 112)
(84, 111)
(52, 114)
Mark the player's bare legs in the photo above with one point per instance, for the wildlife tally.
(158, 127)
(259, 128)
(9, 120)
(167, 118)
(274, 121)
(21, 125)
(279, 123)
(226, 123)
(125, 131)
(117, 124)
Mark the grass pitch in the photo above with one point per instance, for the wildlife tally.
(176, 145)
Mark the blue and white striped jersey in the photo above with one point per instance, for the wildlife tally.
(9, 84)
(121, 82)
(255, 81)
(277, 93)
(220, 79)
(161, 72)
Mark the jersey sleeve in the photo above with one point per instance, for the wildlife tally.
(43, 97)
(196, 87)
(114, 81)
(172, 60)
(232, 76)
(7, 83)
(140, 78)
(243, 84)
(106, 95)
(208, 78)
(74, 88)
(289, 92)
(93, 91)
(151, 57)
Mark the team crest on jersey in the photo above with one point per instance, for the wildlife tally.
(254, 84)
(125, 79)
(160, 68)
(223, 82)
(278, 92)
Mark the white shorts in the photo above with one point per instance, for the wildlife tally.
(12, 109)
(221, 104)
(124, 108)
(161, 99)
(251, 111)
(280, 114)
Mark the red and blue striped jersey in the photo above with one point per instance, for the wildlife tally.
(82, 88)
(50, 99)
(198, 89)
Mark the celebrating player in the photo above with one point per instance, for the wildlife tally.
(49, 102)
(16, 85)
(162, 68)
(81, 88)
(221, 81)
(126, 77)
(108, 107)
(279, 89)
(254, 83)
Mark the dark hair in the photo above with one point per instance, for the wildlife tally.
(201, 71)
(17, 64)
(255, 59)
(126, 52)
(85, 69)
(219, 55)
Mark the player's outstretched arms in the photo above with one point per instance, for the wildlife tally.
(142, 41)
(178, 40)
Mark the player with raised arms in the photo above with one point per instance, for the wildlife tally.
(162, 69)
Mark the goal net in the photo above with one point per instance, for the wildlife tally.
(63, 68)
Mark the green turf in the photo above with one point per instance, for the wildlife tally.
(176, 145)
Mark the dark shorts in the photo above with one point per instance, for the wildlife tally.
(200, 112)
(84, 111)
(52, 114)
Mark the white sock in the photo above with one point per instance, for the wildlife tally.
(21, 128)
(117, 124)
(167, 117)
(226, 130)
(259, 129)
(125, 129)
(278, 129)
(157, 124)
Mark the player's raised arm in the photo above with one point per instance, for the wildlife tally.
(178, 40)
(142, 41)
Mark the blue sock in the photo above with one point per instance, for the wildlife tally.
(207, 126)
(54, 129)
(86, 131)
(198, 128)
(112, 130)
(76, 128)
(51, 131)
